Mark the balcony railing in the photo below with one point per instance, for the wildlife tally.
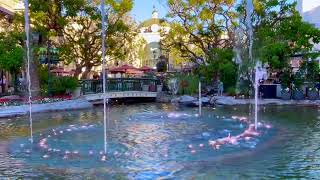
(119, 84)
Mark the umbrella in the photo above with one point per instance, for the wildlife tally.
(122, 69)
(134, 71)
(145, 69)
(58, 70)
(117, 70)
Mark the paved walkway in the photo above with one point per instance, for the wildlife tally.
(11, 111)
(121, 94)
(227, 100)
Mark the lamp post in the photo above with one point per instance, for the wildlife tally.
(49, 56)
(154, 56)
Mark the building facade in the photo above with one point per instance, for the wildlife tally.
(152, 31)
(310, 12)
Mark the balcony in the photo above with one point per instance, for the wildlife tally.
(8, 6)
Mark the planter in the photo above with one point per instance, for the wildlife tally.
(159, 88)
(313, 95)
(76, 93)
(145, 87)
(285, 95)
(298, 95)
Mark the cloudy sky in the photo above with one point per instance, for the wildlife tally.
(310, 4)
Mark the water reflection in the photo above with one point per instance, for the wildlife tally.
(153, 141)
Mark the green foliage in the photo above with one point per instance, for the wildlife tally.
(79, 21)
(298, 80)
(60, 85)
(281, 33)
(220, 65)
(11, 53)
(188, 84)
(231, 91)
(291, 80)
(200, 25)
(286, 78)
(161, 66)
(310, 71)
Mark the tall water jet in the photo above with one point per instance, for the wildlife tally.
(249, 12)
(104, 75)
(27, 31)
(200, 100)
(258, 75)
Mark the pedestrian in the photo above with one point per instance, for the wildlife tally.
(220, 88)
(3, 83)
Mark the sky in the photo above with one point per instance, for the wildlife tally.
(310, 4)
(142, 9)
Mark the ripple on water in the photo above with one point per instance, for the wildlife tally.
(148, 145)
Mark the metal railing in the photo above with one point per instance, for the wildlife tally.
(119, 84)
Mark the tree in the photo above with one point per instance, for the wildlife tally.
(198, 26)
(47, 17)
(279, 33)
(11, 53)
(82, 38)
(11, 46)
(220, 65)
(79, 22)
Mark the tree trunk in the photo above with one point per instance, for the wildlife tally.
(77, 72)
(34, 77)
(14, 75)
(86, 73)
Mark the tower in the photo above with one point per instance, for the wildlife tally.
(155, 14)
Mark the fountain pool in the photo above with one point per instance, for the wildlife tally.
(150, 141)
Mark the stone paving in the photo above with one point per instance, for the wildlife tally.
(11, 111)
(227, 100)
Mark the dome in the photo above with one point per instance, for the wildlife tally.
(150, 22)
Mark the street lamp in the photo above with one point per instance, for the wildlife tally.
(154, 56)
(49, 56)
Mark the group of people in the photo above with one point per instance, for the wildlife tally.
(6, 87)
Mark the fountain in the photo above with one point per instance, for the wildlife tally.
(27, 30)
(104, 74)
(142, 140)
(156, 143)
(173, 86)
(200, 101)
(259, 75)
(249, 12)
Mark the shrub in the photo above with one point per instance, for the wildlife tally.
(161, 66)
(59, 84)
(231, 91)
(220, 65)
(188, 84)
